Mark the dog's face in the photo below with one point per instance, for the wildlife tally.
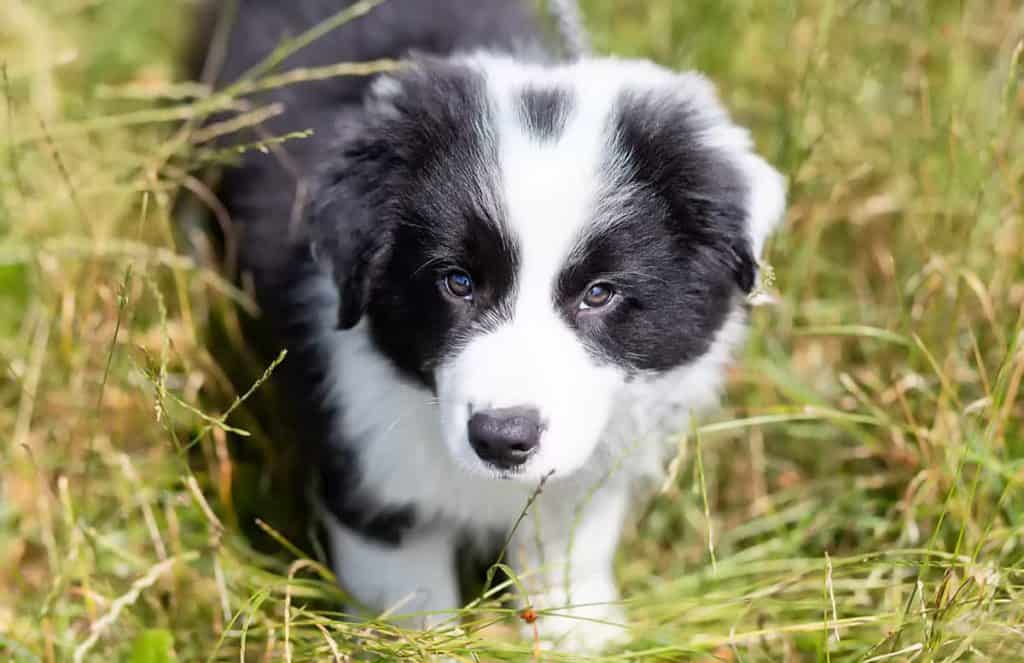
(528, 241)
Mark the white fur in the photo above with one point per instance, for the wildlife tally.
(415, 579)
(602, 431)
(568, 569)
(536, 360)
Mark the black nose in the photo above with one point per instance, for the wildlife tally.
(505, 437)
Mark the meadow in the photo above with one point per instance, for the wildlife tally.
(859, 497)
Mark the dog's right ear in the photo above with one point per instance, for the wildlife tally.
(351, 227)
(406, 118)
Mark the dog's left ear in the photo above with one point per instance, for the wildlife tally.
(764, 209)
(763, 188)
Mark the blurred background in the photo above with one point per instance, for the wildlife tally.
(858, 498)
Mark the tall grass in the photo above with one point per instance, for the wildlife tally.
(861, 493)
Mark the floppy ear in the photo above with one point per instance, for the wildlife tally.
(345, 235)
(764, 209)
(351, 228)
(764, 198)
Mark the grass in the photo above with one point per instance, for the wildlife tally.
(858, 499)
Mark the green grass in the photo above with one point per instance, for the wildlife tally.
(861, 491)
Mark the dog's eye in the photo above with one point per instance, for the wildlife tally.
(597, 296)
(459, 284)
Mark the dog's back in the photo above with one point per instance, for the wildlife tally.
(388, 29)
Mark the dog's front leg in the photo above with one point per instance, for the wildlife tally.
(415, 578)
(565, 553)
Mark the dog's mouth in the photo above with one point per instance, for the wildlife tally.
(510, 473)
(527, 471)
(504, 472)
(507, 475)
(509, 464)
(500, 472)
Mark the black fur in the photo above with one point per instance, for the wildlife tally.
(419, 176)
(544, 111)
(677, 252)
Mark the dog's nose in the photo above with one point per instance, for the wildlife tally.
(505, 437)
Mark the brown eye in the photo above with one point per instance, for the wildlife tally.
(459, 284)
(597, 296)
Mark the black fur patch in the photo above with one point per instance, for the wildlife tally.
(544, 111)
(422, 170)
(677, 251)
(362, 513)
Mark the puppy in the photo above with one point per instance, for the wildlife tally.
(493, 269)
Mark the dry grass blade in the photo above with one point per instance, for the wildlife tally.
(100, 626)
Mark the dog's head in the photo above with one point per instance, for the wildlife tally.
(529, 241)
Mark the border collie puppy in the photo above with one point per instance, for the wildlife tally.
(491, 268)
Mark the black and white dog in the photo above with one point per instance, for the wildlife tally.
(491, 267)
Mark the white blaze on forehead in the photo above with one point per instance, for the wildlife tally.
(549, 191)
(552, 185)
